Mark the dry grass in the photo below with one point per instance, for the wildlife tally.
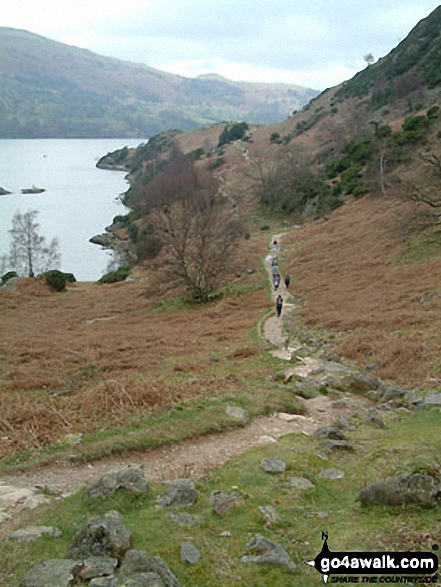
(101, 356)
(349, 272)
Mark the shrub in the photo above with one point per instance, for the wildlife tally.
(133, 232)
(114, 276)
(274, 136)
(56, 279)
(233, 133)
(9, 275)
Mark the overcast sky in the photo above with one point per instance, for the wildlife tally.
(313, 43)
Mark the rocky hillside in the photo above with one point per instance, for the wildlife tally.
(49, 89)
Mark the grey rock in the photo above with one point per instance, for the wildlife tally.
(180, 493)
(223, 501)
(323, 515)
(362, 382)
(405, 489)
(301, 483)
(131, 478)
(237, 414)
(342, 422)
(331, 432)
(189, 553)
(185, 519)
(308, 388)
(34, 532)
(273, 465)
(412, 398)
(137, 561)
(373, 417)
(105, 535)
(104, 582)
(98, 566)
(144, 580)
(336, 445)
(391, 392)
(269, 553)
(34, 501)
(332, 474)
(54, 572)
(269, 513)
(432, 398)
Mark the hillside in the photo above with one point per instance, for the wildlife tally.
(49, 89)
(135, 372)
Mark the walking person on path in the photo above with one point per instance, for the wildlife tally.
(279, 304)
(287, 281)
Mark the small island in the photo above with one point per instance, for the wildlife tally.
(4, 192)
(33, 190)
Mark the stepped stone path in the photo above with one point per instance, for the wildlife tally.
(191, 458)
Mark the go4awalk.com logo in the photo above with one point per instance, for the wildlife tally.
(358, 567)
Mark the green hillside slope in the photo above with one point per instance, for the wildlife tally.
(48, 89)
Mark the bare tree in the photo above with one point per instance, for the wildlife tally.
(29, 253)
(198, 232)
(427, 187)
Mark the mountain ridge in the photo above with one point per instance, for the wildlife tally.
(50, 89)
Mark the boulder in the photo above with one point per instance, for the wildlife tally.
(144, 580)
(34, 532)
(104, 582)
(139, 562)
(336, 445)
(54, 572)
(269, 513)
(237, 414)
(223, 501)
(131, 478)
(105, 535)
(301, 483)
(331, 432)
(432, 398)
(332, 474)
(391, 392)
(414, 488)
(180, 493)
(268, 553)
(98, 566)
(189, 553)
(273, 465)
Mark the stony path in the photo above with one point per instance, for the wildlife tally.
(195, 457)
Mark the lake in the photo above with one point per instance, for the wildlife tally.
(79, 202)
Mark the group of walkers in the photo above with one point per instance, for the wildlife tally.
(275, 273)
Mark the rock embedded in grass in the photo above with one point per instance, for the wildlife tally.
(180, 493)
(331, 432)
(238, 414)
(269, 553)
(131, 478)
(273, 465)
(105, 535)
(223, 501)
(332, 473)
(301, 483)
(417, 488)
(189, 553)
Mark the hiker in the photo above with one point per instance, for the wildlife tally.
(279, 304)
(274, 270)
(276, 281)
(287, 281)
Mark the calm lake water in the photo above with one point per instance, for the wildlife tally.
(79, 202)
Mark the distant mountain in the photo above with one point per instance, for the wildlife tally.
(49, 89)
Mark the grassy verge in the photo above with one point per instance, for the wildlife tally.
(331, 506)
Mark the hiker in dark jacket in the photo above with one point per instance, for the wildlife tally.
(279, 304)
(287, 281)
